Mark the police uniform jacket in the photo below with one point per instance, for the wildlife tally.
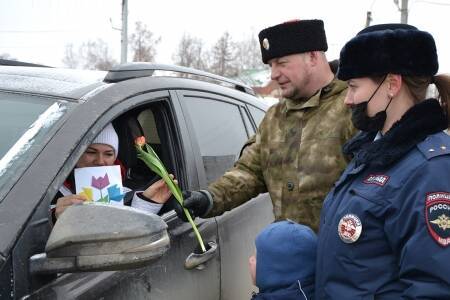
(296, 156)
(385, 226)
(297, 291)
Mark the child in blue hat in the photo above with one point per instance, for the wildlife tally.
(284, 264)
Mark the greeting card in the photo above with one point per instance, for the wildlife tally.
(100, 184)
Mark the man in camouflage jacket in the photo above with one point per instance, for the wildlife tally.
(296, 154)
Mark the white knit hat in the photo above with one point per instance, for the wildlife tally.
(108, 136)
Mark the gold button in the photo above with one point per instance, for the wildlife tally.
(443, 147)
(431, 150)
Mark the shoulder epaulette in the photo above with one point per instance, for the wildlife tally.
(435, 145)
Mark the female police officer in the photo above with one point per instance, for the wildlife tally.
(385, 225)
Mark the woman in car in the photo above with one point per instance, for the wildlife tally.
(385, 225)
(103, 152)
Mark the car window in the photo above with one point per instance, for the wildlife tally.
(248, 123)
(147, 120)
(257, 114)
(220, 132)
(24, 122)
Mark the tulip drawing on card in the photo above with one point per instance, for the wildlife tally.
(114, 193)
(100, 183)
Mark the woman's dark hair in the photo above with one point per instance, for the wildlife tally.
(418, 86)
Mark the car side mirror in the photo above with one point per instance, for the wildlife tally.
(101, 238)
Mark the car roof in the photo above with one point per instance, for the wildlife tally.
(74, 84)
(66, 83)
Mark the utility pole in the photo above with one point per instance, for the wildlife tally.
(368, 18)
(124, 40)
(403, 11)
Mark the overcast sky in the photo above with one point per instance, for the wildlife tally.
(38, 30)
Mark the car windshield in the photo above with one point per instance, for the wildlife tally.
(25, 121)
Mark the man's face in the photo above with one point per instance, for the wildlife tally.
(292, 73)
(97, 155)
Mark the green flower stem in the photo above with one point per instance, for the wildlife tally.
(151, 159)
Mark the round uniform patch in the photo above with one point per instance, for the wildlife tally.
(266, 44)
(349, 228)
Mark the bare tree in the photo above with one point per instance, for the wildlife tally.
(143, 43)
(190, 53)
(7, 56)
(249, 54)
(96, 55)
(70, 59)
(223, 57)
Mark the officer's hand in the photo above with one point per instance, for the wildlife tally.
(197, 202)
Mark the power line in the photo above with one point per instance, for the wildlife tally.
(37, 31)
(371, 6)
(52, 46)
(432, 2)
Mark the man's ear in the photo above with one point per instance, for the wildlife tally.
(394, 82)
(313, 57)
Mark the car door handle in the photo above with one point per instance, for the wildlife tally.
(196, 260)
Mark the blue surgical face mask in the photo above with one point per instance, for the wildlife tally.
(362, 121)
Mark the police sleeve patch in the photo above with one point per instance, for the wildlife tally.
(437, 217)
(377, 179)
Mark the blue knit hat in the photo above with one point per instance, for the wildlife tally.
(285, 253)
(388, 48)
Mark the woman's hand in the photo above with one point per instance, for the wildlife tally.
(159, 191)
(66, 201)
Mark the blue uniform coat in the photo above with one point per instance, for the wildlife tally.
(396, 191)
(297, 291)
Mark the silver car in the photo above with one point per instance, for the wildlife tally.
(197, 122)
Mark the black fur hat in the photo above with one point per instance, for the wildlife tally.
(388, 48)
(292, 37)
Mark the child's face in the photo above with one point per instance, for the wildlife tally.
(252, 268)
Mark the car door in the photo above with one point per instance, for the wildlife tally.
(220, 127)
(168, 278)
(164, 279)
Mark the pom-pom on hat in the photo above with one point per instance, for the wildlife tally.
(292, 37)
(285, 253)
(108, 136)
(388, 48)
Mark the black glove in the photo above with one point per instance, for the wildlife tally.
(197, 202)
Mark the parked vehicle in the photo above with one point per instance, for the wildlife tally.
(197, 122)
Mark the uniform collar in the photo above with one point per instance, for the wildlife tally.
(421, 120)
(378, 136)
(333, 88)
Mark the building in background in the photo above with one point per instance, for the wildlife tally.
(264, 87)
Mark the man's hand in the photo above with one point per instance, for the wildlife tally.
(66, 201)
(198, 203)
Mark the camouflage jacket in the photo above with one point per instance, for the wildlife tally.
(296, 156)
